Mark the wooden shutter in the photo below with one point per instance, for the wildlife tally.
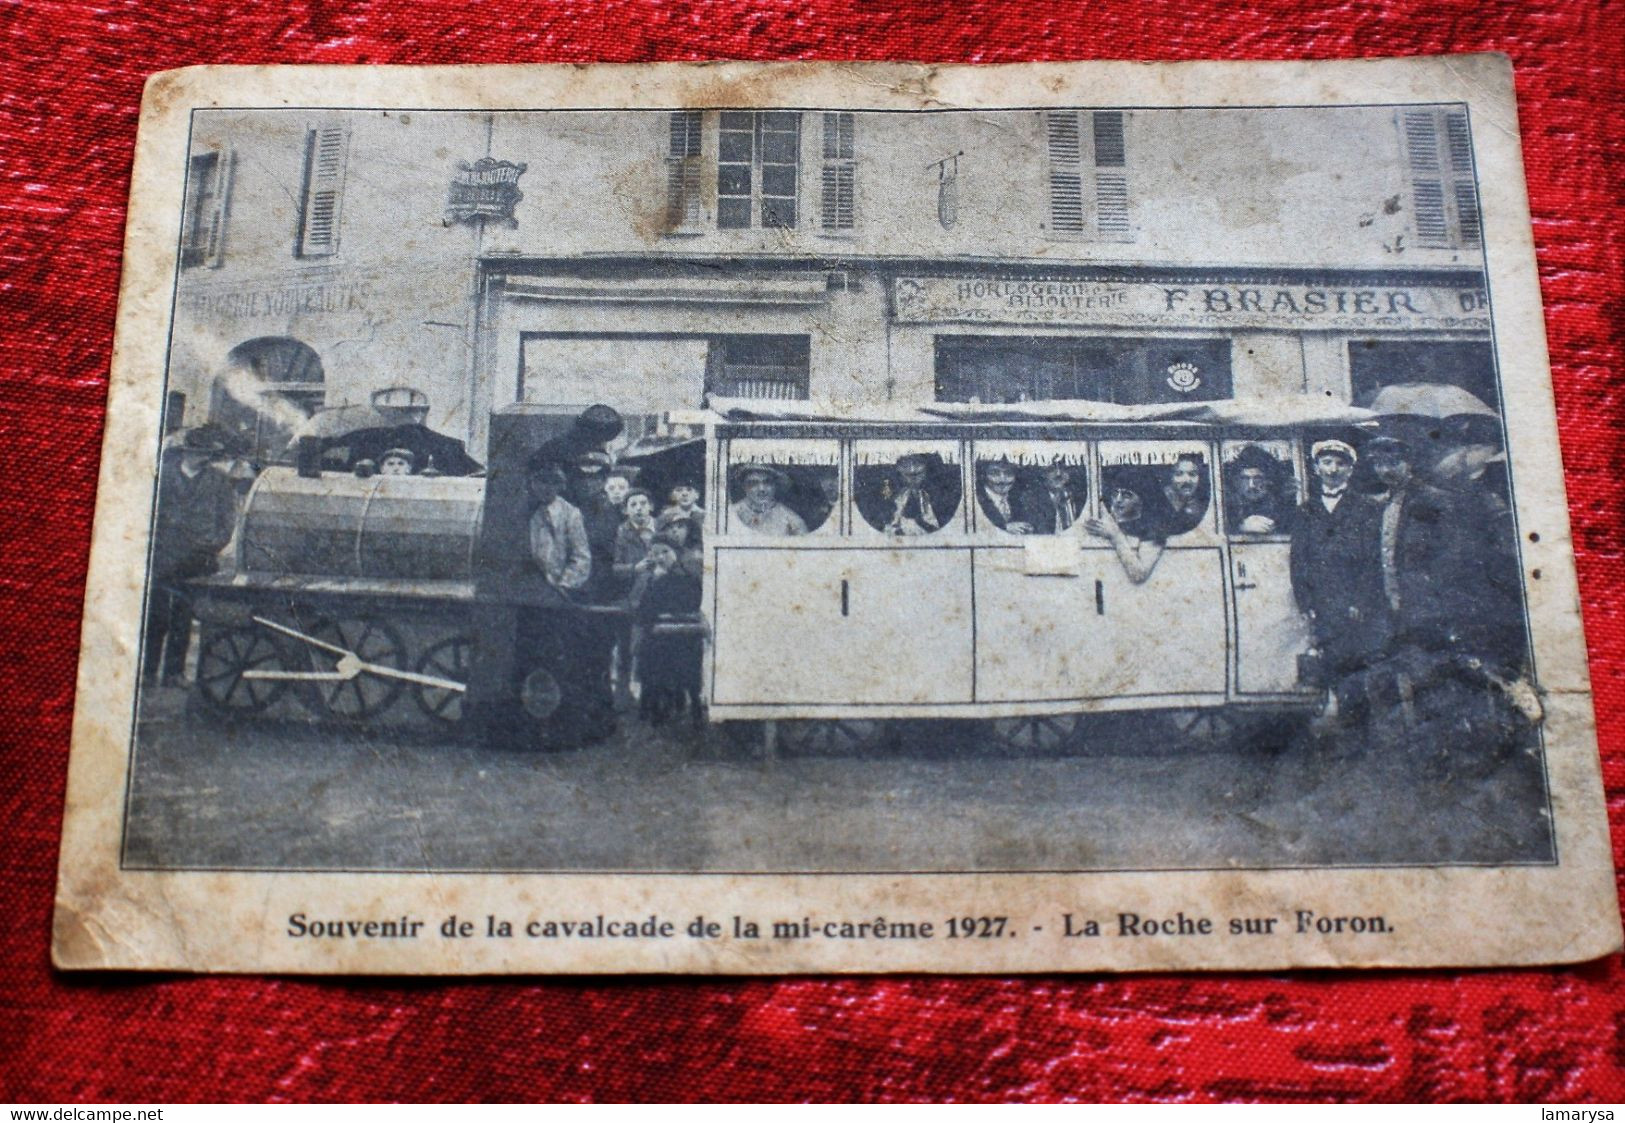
(1065, 141)
(326, 148)
(214, 233)
(1111, 176)
(1464, 190)
(683, 170)
(1439, 157)
(838, 200)
(1421, 133)
(208, 185)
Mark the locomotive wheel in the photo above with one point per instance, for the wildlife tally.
(373, 641)
(223, 657)
(829, 738)
(448, 659)
(1037, 734)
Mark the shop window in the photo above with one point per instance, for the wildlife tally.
(634, 372)
(1375, 363)
(326, 151)
(1004, 369)
(1444, 197)
(838, 203)
(270, 388)
(1088, 174)
(203, 221)
(759, 366)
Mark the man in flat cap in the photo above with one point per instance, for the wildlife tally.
(1336, 568)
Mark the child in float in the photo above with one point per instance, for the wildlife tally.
(684, 500)
(670, 643)
(636, 531)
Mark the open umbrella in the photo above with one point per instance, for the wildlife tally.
(1436, 400)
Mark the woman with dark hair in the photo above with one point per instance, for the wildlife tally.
(1137, 542)
(1184, 494)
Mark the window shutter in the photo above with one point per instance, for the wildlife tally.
(203, 222)
(1427, 183)
(1111, 176)
(838, 201)
(683, 170)
(1459, 145)
(326, 148)
(1065, 171)
(214, 233)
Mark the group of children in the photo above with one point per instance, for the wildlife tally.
(657, 563)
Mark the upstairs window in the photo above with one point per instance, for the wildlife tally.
(758, 167)
(203, 220)
(1439, 157)
(1088, 174)
(326, 150)
(838, 203)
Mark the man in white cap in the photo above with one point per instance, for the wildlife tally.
(1337, 568)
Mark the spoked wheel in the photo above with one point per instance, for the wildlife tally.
(448, 659)
(1040, 733)
(1203, 728)
(373, 641)
(221, 662)
(830, 738)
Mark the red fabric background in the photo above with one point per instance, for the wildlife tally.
(68, 107)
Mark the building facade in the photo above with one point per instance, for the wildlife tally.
(657, 260)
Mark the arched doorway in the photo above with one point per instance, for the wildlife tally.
(270, 386)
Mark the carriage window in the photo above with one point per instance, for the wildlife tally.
(1156, 489)
(908, 489)
(1031, 487)
(783, 488)
(1260, 488)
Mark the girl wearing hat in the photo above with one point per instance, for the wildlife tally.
(759, 509)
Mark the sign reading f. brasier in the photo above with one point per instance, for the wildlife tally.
(1194, 304)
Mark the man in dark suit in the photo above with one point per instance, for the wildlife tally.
(1336, 566)
(197, 511)
(918, 497)
(1056, 503)
(1001, 504)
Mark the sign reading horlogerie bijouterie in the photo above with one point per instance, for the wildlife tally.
(1292, 307)
(810, 529)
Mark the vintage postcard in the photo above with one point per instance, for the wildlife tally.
(793, 518)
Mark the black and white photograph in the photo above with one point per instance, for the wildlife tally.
(809, 489)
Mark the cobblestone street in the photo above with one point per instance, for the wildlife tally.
(940, 797)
